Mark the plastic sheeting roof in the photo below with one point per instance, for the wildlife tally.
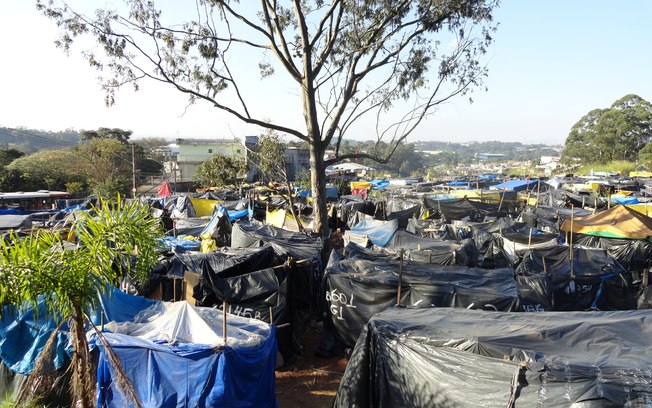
(469, 358)
(617, 222)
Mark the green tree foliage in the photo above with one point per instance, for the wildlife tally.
(47, 170)
(220, 171)
(106, 133)
(269, 157)
(9, 155)
(107, 166)
(616, 133)
(67, 279)
(645, 156)
(392, 63)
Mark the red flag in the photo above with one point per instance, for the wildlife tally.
(164, 190)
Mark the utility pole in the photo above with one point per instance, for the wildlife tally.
(133, 168)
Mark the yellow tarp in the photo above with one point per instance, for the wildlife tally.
(360, 185)
(617, 222)
(203, 207)
(275, 218)
(640, 174)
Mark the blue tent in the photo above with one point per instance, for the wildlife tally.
(179, 359)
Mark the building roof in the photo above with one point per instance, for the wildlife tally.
(206, 141)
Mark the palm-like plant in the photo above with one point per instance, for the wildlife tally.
(113, 239)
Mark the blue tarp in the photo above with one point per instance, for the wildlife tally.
(624, 200)
(23, 336)
(380, 233)
(173, 243)
(331, 192)
(189, 375)
(516, 185)
(379, 184)
(458, 183)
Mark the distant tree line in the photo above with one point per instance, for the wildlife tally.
(100, 163)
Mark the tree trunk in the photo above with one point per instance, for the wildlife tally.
(83, 384)
(318, 185)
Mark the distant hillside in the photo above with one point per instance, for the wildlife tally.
(32, 140)
(513, 150)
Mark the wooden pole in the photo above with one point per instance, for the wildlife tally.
(400, 278)
(224, 321)
(538, 193)
(572, 271)
(529, 240)
(545, 270)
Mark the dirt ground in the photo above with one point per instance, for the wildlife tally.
(311, 381)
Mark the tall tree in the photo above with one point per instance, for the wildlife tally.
(106, 133)
(616, 133)
(269, 157)
(349, 61)
(107, 164)
(47, 169)
(220, 171)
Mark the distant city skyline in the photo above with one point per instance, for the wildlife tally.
(550, 64)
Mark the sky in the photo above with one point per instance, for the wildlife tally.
(551, 63)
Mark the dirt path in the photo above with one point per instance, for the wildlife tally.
(311, 381)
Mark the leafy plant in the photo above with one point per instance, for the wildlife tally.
(113, 239)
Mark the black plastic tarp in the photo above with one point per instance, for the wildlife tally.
(225, 263)
(469, 358)
(434, 251)
(356, 289)
(630, 253)
(547, 280)
(285, 243)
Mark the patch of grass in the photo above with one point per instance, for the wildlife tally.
(622, 167)
(9, 401)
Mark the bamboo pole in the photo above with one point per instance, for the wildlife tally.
(529, 240)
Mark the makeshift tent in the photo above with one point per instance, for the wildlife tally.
(446, 357)
(617, 222)
(434, 251)
(355, 289)
(285, 243)
(176, 356)
(369, 230)
(23, 334)
(630, 253)
(549, 279)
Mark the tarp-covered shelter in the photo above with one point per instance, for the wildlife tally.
(617, 222)
(175, 355)
(369, 230)
(551, 280)
(448, 357)
(630, 253)
(357, 288)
